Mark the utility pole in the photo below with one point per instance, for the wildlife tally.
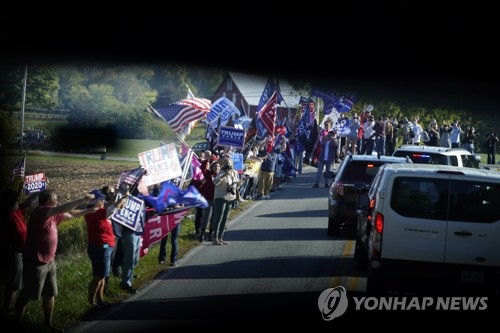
(23, 102)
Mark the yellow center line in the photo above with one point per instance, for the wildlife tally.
(349, 282)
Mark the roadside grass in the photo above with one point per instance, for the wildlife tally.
(74, 273)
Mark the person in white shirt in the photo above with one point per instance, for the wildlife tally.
(417, 129)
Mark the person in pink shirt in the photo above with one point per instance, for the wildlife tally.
(40, 271)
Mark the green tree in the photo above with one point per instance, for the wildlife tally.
(203, 82)
(90, 105)
(42, 85)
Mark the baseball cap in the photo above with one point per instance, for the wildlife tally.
(98, 197)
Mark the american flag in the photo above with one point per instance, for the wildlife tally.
(180, 113)
(18, 170)
(131, 177)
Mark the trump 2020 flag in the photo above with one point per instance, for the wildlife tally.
(158, 226)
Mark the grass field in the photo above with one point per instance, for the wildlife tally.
(130, 148)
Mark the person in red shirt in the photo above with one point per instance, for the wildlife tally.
(100, 243)
(16, 228)
(40, 269)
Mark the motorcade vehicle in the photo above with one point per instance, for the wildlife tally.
(354, 176)
(430, 226)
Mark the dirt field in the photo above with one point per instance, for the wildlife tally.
(72, 179)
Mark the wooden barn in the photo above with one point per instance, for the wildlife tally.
(244, 90)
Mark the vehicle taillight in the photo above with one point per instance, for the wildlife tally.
(372, 203)
(379, 223)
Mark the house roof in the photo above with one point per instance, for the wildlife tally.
(252, 86)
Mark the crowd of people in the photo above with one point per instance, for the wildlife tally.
(31, 245)
(366, 134)
(114, 249)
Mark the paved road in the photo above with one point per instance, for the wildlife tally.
(279, 262)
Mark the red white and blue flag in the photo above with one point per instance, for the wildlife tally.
(181, 113)
(19, 169)
(270, 88)
(131, 177)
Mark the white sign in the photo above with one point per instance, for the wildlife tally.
(161, 164)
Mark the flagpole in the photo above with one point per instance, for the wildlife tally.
(178, 136)
(185, 169)
(190, 152)
(23, 103)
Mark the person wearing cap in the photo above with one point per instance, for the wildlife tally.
(100, 243)
(40, 270)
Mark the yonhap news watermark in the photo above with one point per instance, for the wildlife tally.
(333, 303)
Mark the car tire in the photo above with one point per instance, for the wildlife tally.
(374, 287)
(333, 227)
(360, 256)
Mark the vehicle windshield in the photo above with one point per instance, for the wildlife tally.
(469, 161)
(361, 171)
(425, 157)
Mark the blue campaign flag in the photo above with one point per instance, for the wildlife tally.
(344, 103)
(329, 100)
(244, 121)
(304, 124)
(279, 98)
(168, 196)
(192, 197)
(237, 161)
(321, 94)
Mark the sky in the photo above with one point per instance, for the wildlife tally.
(419, 52)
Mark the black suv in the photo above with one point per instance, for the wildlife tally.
(354, 176)
(200, 147)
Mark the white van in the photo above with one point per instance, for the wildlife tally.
(433, 227)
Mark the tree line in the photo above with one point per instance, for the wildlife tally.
(116, 97)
